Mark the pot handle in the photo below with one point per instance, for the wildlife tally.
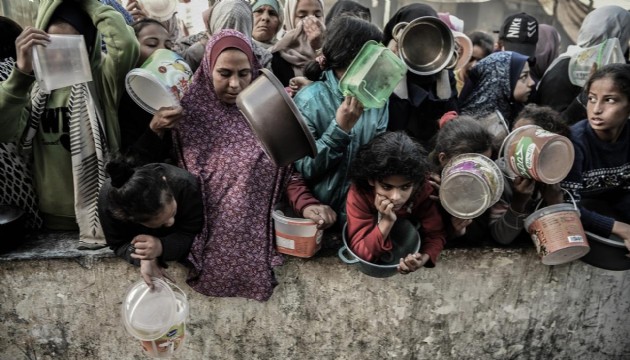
(396, 29)
(342, 256)
(605, 240)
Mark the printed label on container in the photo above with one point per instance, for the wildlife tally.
(575, 238)
(285, 243)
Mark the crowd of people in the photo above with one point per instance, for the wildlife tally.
(191, 183)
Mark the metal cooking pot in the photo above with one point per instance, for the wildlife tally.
(608, 254)
(405, 240)
(426, 45)
(12, 227)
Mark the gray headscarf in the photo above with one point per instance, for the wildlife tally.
(237, 15)
(604, 23)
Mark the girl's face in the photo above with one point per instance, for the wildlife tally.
(165, 218)
(397, 189)
(306, 8)
(231, 74)
(607, 109)
(266, 22)
(523, 86)
(151, 38)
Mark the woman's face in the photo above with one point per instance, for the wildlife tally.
(607, 109)
(266, 23)
(151, 38)
(523, 86)
(396, 188)
(165, 218)
(231, 74)
(306, 8)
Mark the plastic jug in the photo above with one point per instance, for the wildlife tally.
(608, 52)
(372, 75)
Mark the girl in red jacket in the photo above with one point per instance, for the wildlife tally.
(388, 182)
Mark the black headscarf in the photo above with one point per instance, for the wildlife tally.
(348, 7)
(406, 14)
(70, 13)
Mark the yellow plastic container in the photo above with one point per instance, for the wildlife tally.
(373, 75)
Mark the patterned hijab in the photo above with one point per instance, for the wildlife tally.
(492, 83)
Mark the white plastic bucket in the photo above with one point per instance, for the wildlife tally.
(295, 236)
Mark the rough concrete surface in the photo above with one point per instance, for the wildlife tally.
(476, 304)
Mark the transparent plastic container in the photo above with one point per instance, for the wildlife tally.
(373, 75)
(608, 52)
(64, 62)
(148, 314)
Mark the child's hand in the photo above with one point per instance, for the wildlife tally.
(523, 190)
(435, 180)
(323, 215)
(552, 194)
(459, 226)
(24, 47)
(133, 7)
(149, 269)
(165, 118)
(147, 247)
(298, 82)
(314, 29)
(385, 207)
(412, 262)
(348, 113)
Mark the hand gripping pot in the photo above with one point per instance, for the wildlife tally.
(160, 82)
(471, 183)
(405, 240)
(372, 75)
(275, 120)
(156, 317)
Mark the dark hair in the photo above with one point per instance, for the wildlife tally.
(348, 8)
(10, 30)
(460, 136)
(484, 40)
(389, 154)
(344, 38)
(618, 73)
(137, 194)
(141, 24)
(545, 117)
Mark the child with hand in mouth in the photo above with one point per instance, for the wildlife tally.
(389, 182)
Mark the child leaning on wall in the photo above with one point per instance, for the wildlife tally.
(389, 181)
(68, 165)
(520, 195)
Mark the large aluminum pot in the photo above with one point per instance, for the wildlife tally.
(405, 239)
(426, 45)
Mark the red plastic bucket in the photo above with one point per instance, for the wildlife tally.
(558, 234)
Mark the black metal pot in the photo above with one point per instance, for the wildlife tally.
(12, 227)
(609, 254)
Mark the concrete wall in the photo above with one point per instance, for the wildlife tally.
(477, 304)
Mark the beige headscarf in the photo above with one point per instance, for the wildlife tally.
(294, 46)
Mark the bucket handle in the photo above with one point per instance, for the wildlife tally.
(568, 193)
(343, 257)
(396, 29)
(172, 284)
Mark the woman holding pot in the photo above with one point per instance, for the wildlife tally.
(234, 253)
(599, 178)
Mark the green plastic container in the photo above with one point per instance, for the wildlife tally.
(372, 75)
